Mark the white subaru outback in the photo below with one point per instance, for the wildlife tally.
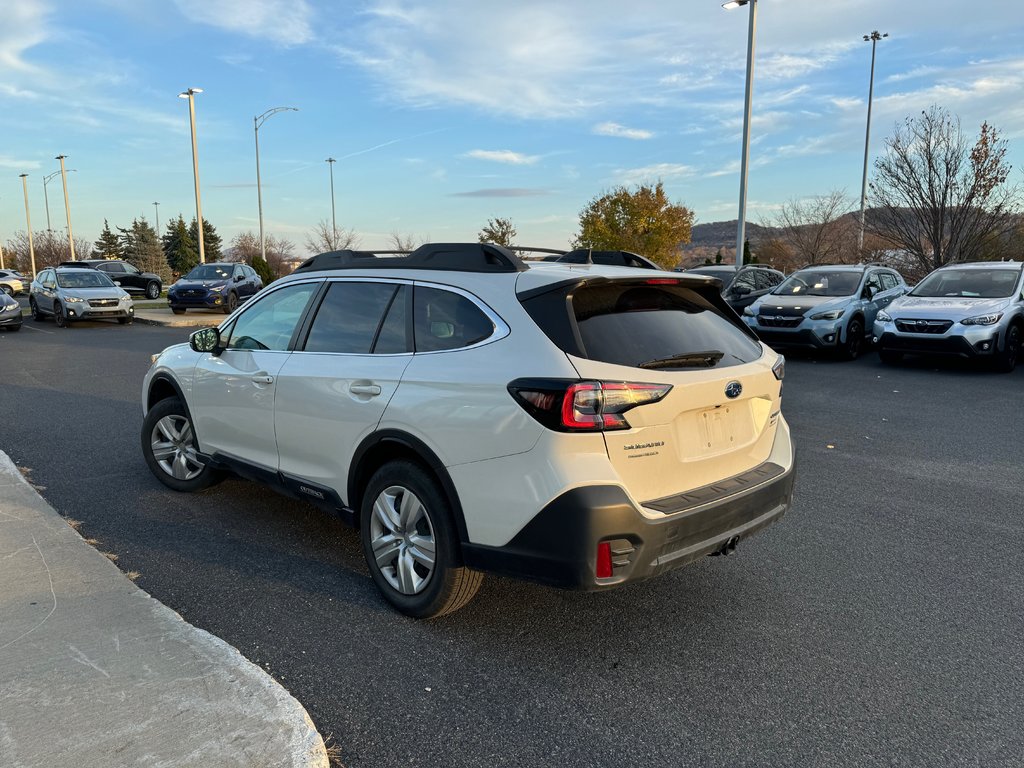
(579, 425)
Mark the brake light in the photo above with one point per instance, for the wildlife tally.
(584, 406)
(662, 281)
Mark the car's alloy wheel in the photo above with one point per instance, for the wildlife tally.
(58, 315)
(1006, 360)
(170, 449)
(232, 303)
(36, 314)
(854, 340)
(410, 542)
(152, 291)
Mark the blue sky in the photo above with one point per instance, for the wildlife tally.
(443, 114)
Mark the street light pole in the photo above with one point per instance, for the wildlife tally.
(46, 197)
(334, 222)
(744, 158)
(67, 205)
(156, 209)
(257, 122)
(190, 95)
(874, 37)
(28, 224)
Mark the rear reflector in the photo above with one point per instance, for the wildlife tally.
(583, 406)
(604, 560)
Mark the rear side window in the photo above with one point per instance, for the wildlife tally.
(667, 327)
(349, 317)
(446, 320)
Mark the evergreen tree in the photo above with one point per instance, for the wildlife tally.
(108, 246)
(262, 269)
(140, 247)
(748, 257)
(180, 249)
(212, 249)
(718, 257)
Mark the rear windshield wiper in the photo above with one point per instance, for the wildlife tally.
(706, 359)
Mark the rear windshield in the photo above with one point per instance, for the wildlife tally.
(818, 282)
(83, 280)
(725, 275)
(658, 327)
(968, 284)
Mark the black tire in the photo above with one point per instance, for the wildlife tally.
(36, 314)
(1006, 360)
(59, 317)
(172, 407)
(890, 357)
(449, 585)
(231, 303)
(125, 320)
(178, 310)
(152, 290)
(851, 349)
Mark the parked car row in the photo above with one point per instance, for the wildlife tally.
(13, 282)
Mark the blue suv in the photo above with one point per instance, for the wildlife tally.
(217, 285)
(825, 307)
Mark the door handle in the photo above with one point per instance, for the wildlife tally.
(364, 389)
(262, 378)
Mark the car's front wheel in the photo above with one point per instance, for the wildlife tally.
(850, 350)
(1006, 360)
(59, 317)
(170, 449)
(410, 543)
(231, 304)
(152, 290)
(36, 314)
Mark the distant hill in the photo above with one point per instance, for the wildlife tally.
(722, 234)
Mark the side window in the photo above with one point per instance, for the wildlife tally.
(776, 278)
(239, 272)
(446, 320)
(114, 268)
(746, 277)
(763, 280)
(271, 321)
(888, 281)
(873, 282)
(131, 270)
(350, 317)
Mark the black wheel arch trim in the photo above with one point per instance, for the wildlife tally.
(423, 451)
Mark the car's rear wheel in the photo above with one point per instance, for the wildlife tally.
(152, 290)
(410, 543)
(1006, 360)
(59, 317)
(170, 449)
(851, 348)
(36, 314)
(890, 357)
(231, 303)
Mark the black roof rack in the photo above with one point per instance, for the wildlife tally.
(614, 258)
(452, 257)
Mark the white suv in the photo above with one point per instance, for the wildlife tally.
(579, 425)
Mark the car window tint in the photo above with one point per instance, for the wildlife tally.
(393, 336)
(888, 281)
(446, 320)
(873, 281)
(130, 269)
(349, 316)
(271, 321)
(238, 272)
(109, 267)
(745, 277)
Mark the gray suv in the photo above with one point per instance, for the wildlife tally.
(70, 294)
(825, 307)
(742, 287)
(973, 311)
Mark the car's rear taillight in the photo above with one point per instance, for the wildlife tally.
(583, 406)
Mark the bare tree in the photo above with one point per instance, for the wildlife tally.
(499, 231)
(324, 238)
(280, 255)
(400, 242)
(938, 197)
(51, 248)
(816, 230)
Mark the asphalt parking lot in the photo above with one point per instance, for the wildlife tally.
(879, 623)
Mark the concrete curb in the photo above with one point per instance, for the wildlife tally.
(156, 317)
(94, 672)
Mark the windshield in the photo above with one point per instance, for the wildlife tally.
(819, 282)
(209, 272)
(968, 284)
(725, 275)
(83, 280)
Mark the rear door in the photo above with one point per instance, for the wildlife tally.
(720, 417)
(333, 390)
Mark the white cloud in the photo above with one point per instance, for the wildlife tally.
(621, 131)
(288, 22)
(22, 28)
(651, 173)
(6, 161)
(506, 156)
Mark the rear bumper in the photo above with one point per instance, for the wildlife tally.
(559, 546)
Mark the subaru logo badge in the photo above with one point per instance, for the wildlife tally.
(733, 390)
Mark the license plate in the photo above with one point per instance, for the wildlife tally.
(716, 425)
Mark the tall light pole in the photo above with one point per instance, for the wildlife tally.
(28, 225)
(67, 205)
(751, 37)
(156, 210)
(190, 95)
(257, 122)
(46, 197)
(334, 222)
(874, 37)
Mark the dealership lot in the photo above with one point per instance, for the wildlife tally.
(878, 623)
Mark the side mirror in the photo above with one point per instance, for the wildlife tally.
(117, 282)
(205, 340)
(869, 292)
(741, 290)
(239, 278)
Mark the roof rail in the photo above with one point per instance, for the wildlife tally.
(451, 257)
(614, 258)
